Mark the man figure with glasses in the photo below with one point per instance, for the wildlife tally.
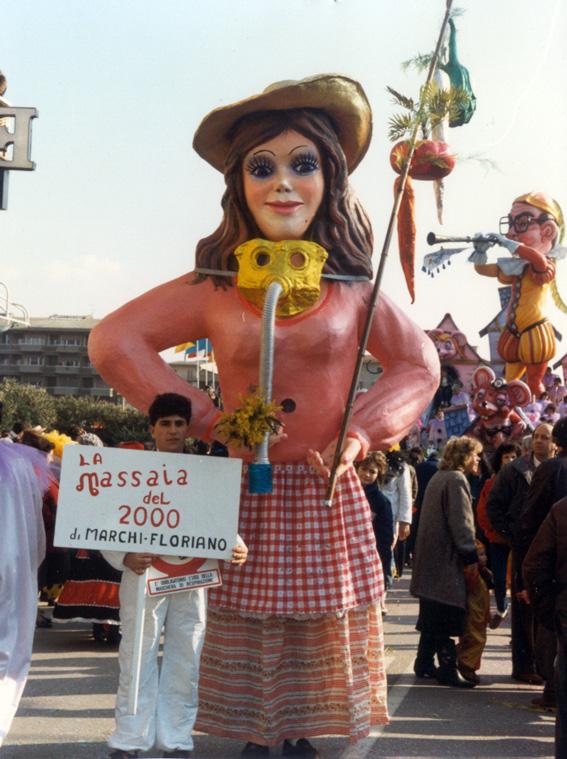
(531, 233)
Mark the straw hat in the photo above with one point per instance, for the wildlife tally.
(341, 98)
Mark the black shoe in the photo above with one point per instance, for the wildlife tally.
(255, 749)
(545, 702)
(427, 671)
(120, 753)
(98, 632)
(451, 676)
(113, 635)
(530, 678)
(180, 753)
(42, 620)
(469, 674)
(302, 748)
(497, 618)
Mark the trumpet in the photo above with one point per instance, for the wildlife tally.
(433, 239)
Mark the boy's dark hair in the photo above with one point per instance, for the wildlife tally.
(559, 433)
(169, 404)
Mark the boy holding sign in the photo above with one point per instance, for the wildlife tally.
(167, 702)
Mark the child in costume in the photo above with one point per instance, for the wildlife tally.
(371, 471)
(167, 703)
(312, 586)
(479, 580)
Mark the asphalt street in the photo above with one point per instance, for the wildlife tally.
(67, 708)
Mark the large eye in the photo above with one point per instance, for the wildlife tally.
(305, 163)
(260, 167)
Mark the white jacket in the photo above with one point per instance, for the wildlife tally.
(398, 491)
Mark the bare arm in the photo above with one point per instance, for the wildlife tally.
(410, 378)
(125, 347)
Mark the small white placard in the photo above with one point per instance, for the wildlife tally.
(141, 501)
(165, 577)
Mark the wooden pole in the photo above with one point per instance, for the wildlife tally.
(382, 262)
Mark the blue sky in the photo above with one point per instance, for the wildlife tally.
(119, 198)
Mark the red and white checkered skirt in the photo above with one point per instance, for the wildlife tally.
(304, 558)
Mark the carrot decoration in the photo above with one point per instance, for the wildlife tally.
(406, 234)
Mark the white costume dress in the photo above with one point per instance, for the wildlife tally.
(22, 548)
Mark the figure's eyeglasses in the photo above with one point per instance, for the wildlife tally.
(521, 222)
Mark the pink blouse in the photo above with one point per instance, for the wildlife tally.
(314, 357)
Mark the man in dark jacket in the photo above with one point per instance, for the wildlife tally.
(545, 575)
(506, 504)
(424, 471)
(549, 485)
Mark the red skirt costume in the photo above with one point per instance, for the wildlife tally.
(305, 603)
(91, 592)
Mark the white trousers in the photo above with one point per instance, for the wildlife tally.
(168, 699)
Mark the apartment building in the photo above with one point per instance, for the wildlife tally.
(52, 353)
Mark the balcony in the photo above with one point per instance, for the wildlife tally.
(29, 347)
(60, 348)
(16, 367)
(100, 392)
(65, 390)
(65, 369)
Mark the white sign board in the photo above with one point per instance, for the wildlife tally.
(144, 502)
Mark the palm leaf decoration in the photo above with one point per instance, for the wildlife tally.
(401, 100)
(436, 104)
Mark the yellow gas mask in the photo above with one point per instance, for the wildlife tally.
(295, 264)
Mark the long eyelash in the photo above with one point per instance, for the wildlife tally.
(306, 159)
(258, 162)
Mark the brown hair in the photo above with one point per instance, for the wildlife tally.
(377, 459)
(341, 225)
(34, 440)
(457, 451)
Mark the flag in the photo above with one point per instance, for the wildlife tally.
(200, 349)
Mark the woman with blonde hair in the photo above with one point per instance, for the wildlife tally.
(445, 554)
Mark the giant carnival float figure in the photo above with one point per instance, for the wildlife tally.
(298, 628)
(494, 402)
(449, 346)
(533, 230)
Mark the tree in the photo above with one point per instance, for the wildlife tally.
(27, 404)
(111, 423)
